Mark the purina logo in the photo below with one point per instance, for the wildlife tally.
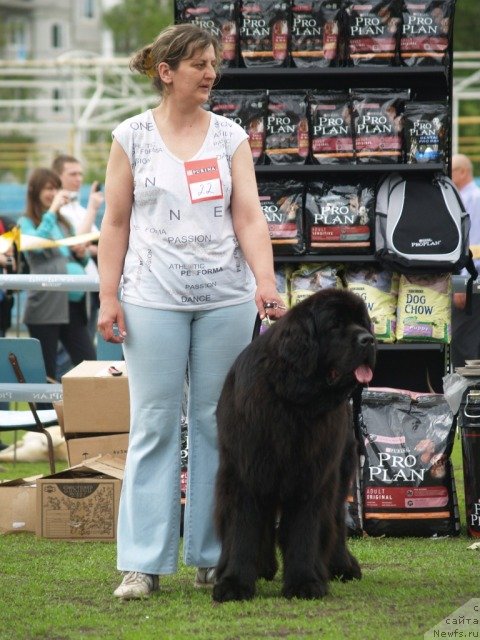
(426, 242)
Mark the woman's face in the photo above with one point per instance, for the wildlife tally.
(194, 77)
(47, 194)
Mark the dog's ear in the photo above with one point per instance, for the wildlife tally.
(296, 359)
(298, 350)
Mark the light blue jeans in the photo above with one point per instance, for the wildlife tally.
(157, 348)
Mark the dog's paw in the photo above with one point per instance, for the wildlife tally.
(307, 590)
(346, 570)
(227, 589)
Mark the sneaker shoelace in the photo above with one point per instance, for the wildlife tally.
(136, 576)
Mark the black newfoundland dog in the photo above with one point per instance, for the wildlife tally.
(287, 449)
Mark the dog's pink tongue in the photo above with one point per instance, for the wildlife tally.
(363, 374)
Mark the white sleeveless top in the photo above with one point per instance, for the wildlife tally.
(182, 251)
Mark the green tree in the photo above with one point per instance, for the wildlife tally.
(467, 25)
(135, 23)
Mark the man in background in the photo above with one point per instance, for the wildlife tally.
(466, 328)
(82, 219)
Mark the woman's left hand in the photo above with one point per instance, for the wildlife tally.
(269, 302)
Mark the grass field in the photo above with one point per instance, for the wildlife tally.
(53, 590)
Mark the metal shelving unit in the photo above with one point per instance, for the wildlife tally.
(415, 366)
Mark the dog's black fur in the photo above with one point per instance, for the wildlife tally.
(287, 448)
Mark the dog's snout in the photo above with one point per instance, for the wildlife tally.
(365, 339)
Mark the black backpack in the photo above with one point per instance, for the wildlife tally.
(421, 226)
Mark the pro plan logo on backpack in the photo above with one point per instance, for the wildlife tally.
(421, 225)
(427, 242)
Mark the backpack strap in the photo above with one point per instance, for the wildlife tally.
(469, 265)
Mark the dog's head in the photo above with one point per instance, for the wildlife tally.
(326, 341)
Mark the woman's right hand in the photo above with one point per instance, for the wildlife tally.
(61, 198)
(111, 321)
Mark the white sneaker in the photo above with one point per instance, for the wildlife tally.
(205, 578)
(136, 585)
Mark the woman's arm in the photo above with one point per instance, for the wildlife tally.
(48, 227)
(113, 242)
(251, 230)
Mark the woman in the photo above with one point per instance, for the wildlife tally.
(184, 227)
(53, 316)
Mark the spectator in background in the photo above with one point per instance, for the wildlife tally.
(82, 219)
(53, 316)
(466, 328)
(8, 264)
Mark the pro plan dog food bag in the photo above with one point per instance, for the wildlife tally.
(264, 33)
(219, 18)
(249, 110)
(379, 290)
(425, 127)
(339, 218)
(311, 277)
(424, 308)
(377, 115)
(282, 205)
(408, 482)
(353, 508)
(287, 139)
(315, 34)
(426, 32)
(331, 131)
(373, 30)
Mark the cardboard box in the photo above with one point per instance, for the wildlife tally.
(81, 449)
(58, 406)
(81, 503)
(18, 505)
(94, 401)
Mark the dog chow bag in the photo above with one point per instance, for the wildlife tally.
(311, 277)
(379, 290)
(424, 308)
(408, 483)
(282, 279)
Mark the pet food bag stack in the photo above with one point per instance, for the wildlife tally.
(408, 483)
